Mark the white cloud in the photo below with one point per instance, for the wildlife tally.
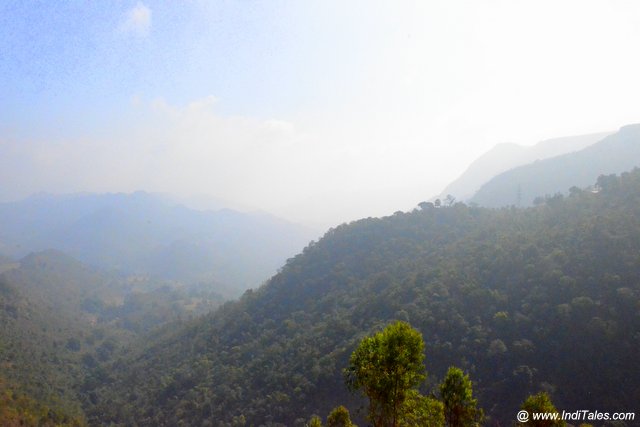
(137, 21)
(280, 126)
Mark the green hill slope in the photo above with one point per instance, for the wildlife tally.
(41, 343)
(60, 320)
(545, 298)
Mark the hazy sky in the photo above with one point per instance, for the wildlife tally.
(318, 111)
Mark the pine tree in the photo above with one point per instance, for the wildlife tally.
(460, 407)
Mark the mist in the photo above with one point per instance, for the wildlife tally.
(321, 114)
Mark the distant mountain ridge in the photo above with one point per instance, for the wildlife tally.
(142, 233)
(519, 186)
(506, 156)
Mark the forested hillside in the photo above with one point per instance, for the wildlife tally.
(59, 320)
(525, 300)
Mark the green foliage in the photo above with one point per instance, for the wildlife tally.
(385, 367)
(18, 409)
(315, 421)
(422, 411)
(499, 293)
(563, 277)
(540, 403)
(339, 417)
(60, 321)
(460, 407)
(522, 299)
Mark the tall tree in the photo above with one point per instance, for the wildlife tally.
(540, 403)
(460, 407)
(386, 367)
(340, 417)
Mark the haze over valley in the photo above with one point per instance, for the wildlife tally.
(319, 213)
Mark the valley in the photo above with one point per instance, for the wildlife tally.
(523, 300)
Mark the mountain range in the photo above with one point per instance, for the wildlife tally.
(142, 233)
(519, 186)
(510, 174)
(506, 156)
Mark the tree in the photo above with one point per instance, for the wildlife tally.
(460, 407)
(607, 182)
(386, 367)
(422, 411)
(339, 417)
(540, 403)
(315, 421)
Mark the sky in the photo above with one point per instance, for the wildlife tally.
(320, 112)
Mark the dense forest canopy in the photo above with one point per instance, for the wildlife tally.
(524, 300)
(60, 320)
